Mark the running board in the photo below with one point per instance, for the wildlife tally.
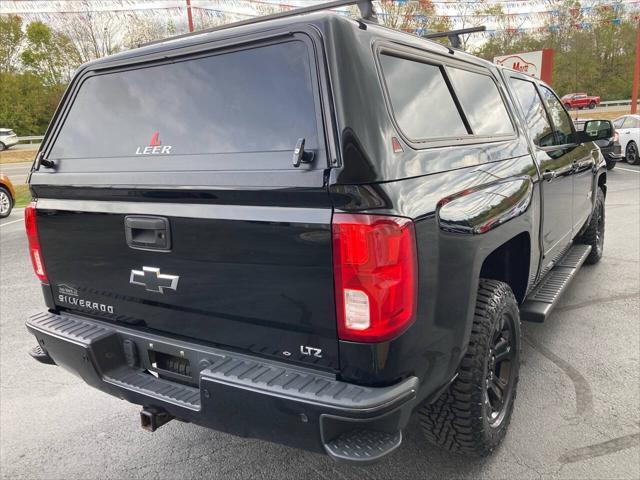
(541, 301)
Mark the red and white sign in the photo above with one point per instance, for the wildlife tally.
(538, 64)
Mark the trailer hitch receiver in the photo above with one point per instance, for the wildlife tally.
(152, 418)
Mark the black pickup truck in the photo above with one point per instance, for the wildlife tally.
(308, 229)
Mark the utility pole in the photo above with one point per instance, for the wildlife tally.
(636, 74)
(189, 17)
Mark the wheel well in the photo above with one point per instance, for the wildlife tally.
(509, 263)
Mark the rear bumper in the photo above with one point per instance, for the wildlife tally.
(230, 392)
(10, 141)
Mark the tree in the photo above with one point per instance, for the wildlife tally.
(48, 54)
(469, 15)
(11, 37)
(138, 32)
(593, 48)
(94, 35)
(417, 16)
(26, 104)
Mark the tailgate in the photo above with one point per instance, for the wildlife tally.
(179, 209)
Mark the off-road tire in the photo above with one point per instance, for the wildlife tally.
(459, 419)
(631, 153)
(594, 234)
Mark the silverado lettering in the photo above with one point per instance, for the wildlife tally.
(80, 302)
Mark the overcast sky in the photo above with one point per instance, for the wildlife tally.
(527, 15)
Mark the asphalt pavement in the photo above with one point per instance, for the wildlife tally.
(577, 414)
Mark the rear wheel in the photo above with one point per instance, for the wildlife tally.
(6, 203)
(473, 414)
(2, 146)
(592, 105)
(594, 235)
(631, 153)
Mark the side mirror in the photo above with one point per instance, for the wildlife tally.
(596, 130)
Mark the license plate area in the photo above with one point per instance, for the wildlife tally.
(170, 366)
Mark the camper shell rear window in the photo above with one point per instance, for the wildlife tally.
(232, 106)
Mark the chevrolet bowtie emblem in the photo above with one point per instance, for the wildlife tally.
(152, 280)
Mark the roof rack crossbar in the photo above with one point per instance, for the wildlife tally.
(367, 12)
(454, 35)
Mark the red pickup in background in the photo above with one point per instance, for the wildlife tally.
(580, 101)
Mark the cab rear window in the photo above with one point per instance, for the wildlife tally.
(246, 101)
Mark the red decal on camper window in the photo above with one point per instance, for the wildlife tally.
(155, 140)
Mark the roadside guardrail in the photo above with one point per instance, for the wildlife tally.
(615, 103)
(31, 139)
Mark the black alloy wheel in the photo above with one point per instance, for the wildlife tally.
(632, 153)
(499, 382)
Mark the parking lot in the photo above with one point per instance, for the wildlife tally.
(577, 414)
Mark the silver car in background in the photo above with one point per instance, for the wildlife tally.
(628, 127)
(8, 138)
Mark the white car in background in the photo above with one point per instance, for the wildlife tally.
(7, 138)
(628, 127)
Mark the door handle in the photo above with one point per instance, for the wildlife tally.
(147, 233)
(549, 175)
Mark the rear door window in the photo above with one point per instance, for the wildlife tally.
(481, 101)
(245, 101)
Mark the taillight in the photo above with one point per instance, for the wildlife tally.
(35, 252)
(375, 271)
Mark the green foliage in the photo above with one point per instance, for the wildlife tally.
(598, 60)
(48, 54)
(23, 196)
(30, 95)
(26, 104)
(11, 36)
